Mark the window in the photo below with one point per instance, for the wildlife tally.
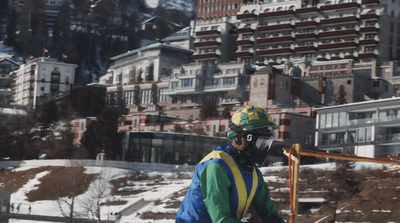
(229, 81)
(328, 120)
(322, 121)
(146, 96)
(335, 119)
(186, 82)
(129, 97)
(163, 97)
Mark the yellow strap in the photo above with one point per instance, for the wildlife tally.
(243, 201)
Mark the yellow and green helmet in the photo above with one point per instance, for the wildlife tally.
(249, 118)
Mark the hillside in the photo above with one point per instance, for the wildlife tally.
(364, 193)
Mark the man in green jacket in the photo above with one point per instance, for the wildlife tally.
(227, 181)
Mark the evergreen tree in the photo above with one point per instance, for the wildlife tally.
(341, 97)
(33, 33)
(209, 110)
(62, 33)
(48, 113)
(88, 101)
(11, 39)
(102, 134)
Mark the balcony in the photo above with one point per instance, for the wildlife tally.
(306, 24)
(244, 42)
(337, 46)
(339, 20)
(275, 39)
(247, 53)
(369, 16)
(368, 42)
(339, 33)
(367, 55)
(303, 36)
(277, 27)
(388, 138)
(269, 15)
(248, 15)
(341, 6)
(369, 29)
(208, 32)
(207, 43)
(276, 51)
(206, 56)
(245, 30)
(304, 49)
(370, 2)
(307, 10)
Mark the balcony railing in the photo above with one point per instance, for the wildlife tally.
(206, 43)
(367, 55)
(305, 24)
(245, 30)
(388, 138)
(205, 56)
(339, 20)
(246, 16)
(369, 2)
(302, 36)
(368, 42)
(276, 14)
(303, 49)
(244, 42)
(369, 29)
(339, 45)
(268, 52)
(274, 39)
(344, 32)
(307, 10)
(276, 27)
(341, 6)
(243, 54)
(369, 16)
(208, 32)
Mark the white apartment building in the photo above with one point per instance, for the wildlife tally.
(137, 79)
(369, 129)
(41, 78)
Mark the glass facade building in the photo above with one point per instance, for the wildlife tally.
(168, 147)
(370, 128)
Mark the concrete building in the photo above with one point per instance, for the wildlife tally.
(370, 129)
(306, 38)
(194, 84)
(137, 79)
(183, 38)
(40, 79)
(208, 9)
(6, 67)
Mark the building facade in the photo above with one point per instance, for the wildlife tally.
(6, 67)
(40, 79)
(370, 129)
(301, 37)
(137, 79)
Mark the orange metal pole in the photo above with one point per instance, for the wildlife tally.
(294, 153)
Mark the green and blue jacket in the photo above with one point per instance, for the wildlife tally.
(222, 192)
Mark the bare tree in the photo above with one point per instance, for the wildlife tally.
(98, 191)
(69, 188)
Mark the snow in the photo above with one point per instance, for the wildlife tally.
(152, 3)
(170, 183)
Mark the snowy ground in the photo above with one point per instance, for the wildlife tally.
(171, 184)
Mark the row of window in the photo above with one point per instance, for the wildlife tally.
(360, 135)
(338, 119)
